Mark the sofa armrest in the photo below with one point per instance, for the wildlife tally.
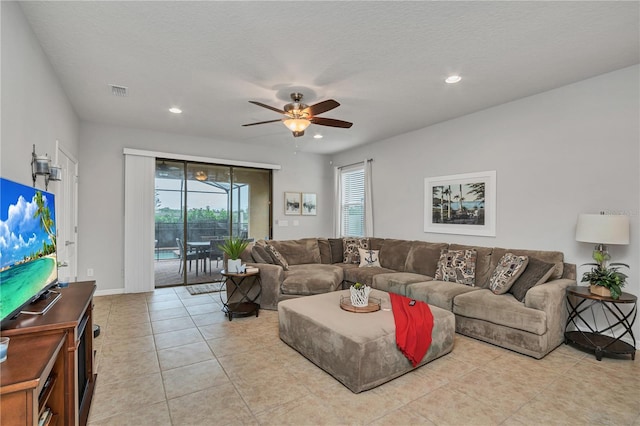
(271, 277)
(550, 297)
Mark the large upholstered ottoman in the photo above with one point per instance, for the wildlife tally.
(358, 349)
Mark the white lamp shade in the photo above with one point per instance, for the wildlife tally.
(602, 229)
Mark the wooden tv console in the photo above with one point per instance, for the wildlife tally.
(49, 355)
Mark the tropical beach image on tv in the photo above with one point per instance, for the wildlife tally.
(27, 245)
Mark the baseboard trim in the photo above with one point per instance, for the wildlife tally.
(109, 292)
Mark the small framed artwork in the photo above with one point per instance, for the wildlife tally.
(292, 203)
(461, 204)
(309, 204)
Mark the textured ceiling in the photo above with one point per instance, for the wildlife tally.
(385, 62)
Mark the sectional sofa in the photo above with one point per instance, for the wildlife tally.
(533, 326)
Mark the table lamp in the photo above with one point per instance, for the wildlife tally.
(602, 229)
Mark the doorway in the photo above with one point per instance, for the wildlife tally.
(67, 214)
(198, 206)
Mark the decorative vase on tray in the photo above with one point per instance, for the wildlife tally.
(360, 294)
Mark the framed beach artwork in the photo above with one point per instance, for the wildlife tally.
(309, 204)
(292, 203)
(461, 204)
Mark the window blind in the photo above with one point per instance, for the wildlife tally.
(352, 200)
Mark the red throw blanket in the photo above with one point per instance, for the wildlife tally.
(414, 325)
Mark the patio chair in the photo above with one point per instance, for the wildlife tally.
(190, 255)
(215, 254)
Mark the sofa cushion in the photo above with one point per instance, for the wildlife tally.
(438, 293)
(536, 272)
(501, 309)
(260, 254)
(376, 243)
(423, 257)
(309, 279)
(507, 272)
(299, 252)
(555, 257)
(364, 275)
(483, 263)
(337, 251)
(397, 282)
(457, 266)
(393, 254)
(350, 247)
(278, 258)
(369, 258)
(325, 251)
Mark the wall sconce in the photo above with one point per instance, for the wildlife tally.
(41, 166)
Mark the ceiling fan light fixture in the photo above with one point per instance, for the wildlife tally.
(297, 124)
(453, 79)
(175, 110)
(201, 175)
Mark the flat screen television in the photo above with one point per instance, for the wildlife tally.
(28, 265)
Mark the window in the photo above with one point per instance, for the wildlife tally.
(352, 200)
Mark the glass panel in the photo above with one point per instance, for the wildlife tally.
(251, 212)
(208, 200)
(169, 222)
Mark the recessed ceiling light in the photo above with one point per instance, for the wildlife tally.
(175, 110)
(453, 79)
(317, 136)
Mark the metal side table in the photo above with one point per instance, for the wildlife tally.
(616, 318)
(243, 285)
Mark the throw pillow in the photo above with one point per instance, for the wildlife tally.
(337, 250)
(457, 266)
(278, 258)
(536, 272)
(351, 246)
(507, 272)
(260, 254)
(368, 258)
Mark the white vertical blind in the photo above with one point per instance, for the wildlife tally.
(139, 234)
(368, 198)
(352, 202)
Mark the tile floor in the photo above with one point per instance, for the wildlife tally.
(169, 358)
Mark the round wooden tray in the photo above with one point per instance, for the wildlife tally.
(374, 305)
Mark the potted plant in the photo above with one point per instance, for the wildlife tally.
(605, 280)
(233, 248)
(360, 295)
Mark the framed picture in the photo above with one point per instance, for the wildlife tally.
(292, 203)
(461, 204)
(309, 204)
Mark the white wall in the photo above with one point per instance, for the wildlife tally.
(572, 150)
(35, 109)
(101, 223)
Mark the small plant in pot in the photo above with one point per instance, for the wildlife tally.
(359, 294)
(233, 248)
(606, 277)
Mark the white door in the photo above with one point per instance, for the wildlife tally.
(67, 217)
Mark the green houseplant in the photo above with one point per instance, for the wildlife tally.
(233, 248)
(605, 276)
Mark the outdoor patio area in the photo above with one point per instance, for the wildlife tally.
(167, 273)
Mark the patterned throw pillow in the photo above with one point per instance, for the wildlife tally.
(457, 266)
(507, 272)
(351, 246)
(537, 272)
(261, 255)
(277, 257)
(368, 258)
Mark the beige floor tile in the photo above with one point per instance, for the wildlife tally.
(306, 410)
(200, 299)
(401, 416)
(167, 304)
(267, 391)
(184, 355)
(124, 365)
(232, 345)
(174, 324)
(139, 329)
(147, 415)
(207, 319)
(192, 378)
(132, 345)
(206, 308)
(161, 297)
(168, 314)
(178, 338)
(125, 396)
(215, 405)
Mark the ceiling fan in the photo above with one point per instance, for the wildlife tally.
(298, 116)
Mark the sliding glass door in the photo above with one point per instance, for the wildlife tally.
(199, 205)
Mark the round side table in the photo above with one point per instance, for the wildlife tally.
(616, 318)
(243, 284)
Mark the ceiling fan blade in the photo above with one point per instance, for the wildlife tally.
(321, 107)
(330, 122)
(267, 107)
(260, 122)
